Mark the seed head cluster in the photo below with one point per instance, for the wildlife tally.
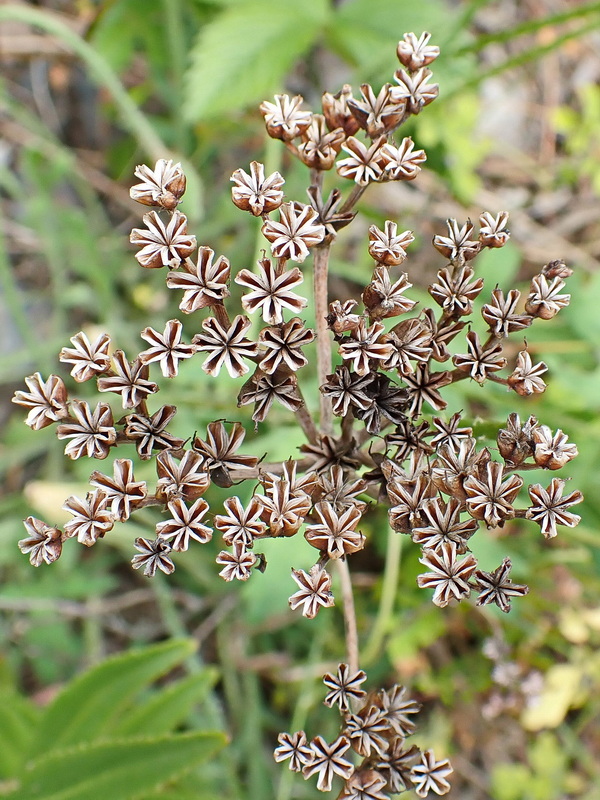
(383, 364)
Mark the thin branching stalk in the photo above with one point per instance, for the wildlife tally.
(321, 264)
(349, 615)
(306, 422)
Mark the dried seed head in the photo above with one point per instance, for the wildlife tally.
(226, 346)
(388, 247)
(496, 587)
(92, 518)
(515, 442)
(549, 507)
(493, 231)
(364, 163)
(254, 192)
(314, 591)
(456, 245)
(545, 300)
(320, 146)
(204, 283)
(163, 186)
(552, 451)
(163, 245)
(337, 112)
(416, 53)
(557, 269)
(414, 89)
(153, 555)
(88, 359)
(46, 400)
(526, 378)
(383, 299)
(298, 230)
(341, 319)
(43, 543)
(283, 118)
(377, 114)
(401, 163)
(166, 348)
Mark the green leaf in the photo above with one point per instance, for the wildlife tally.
(18, 718)
(124, 28)
(122, 769)
(169, 707)
(88, 706)
(364, 30)
(244, 54)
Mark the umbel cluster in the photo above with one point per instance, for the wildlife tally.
(382, 363)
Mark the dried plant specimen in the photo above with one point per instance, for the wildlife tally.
(385, 430)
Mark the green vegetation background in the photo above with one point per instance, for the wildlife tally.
(107, 85)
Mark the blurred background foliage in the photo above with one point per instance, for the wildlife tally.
(91, 88)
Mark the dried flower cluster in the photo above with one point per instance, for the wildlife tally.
(392, 365)
(375, 727)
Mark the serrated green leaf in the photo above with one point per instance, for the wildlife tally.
(243, 55)
(122, 769)
(365, 30)
(18, 718)
(88, 706)
(169, 707)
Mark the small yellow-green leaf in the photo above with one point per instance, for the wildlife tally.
(561, 689)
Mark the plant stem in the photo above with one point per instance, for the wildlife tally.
(354, 196)
(349, 615)
(306, 422)
(321, 264)
(393, 557)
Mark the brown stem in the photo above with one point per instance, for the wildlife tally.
(461, 375)
(307, 423)
(349, 615)
(222, 315)
(347, 423)
(321, 263)
(292, 148)
(353, 198)
(276, 467)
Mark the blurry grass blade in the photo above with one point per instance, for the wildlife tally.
(519, 60)
(131, 116)
(132, 119)
(13, 304)
(530, 26)
(119, 769)
(88, 706)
